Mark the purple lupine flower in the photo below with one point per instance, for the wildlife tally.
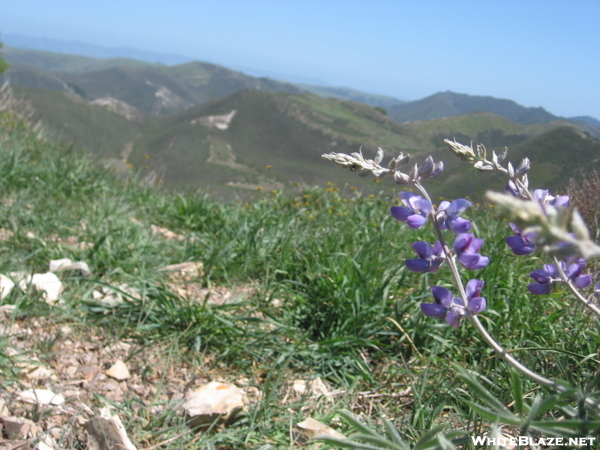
(467, 249)
(573, 272)
(543, 197)
(429, 260)
(452, 309)
(414, 212)
(547, 277)
(449, 214)
(521, 244)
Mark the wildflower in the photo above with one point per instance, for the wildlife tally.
(448, 215)
(415, 211)
(544, 198)
(467, 250)
(521, 244)
(451, 308)
(547, 277)
(430, 258)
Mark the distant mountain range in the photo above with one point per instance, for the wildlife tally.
(202, 125)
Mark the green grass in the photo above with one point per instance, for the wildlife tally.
(325, 268)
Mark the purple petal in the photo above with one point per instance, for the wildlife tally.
(458, 206)
(583, 281)
(459, 225)
(401, 213)
(435, 265)
(442, 296)
(551, 270)
(518, 246)
(423, 249)
(416, 221)
(433, 310)
(540, 195)
(423, 206)
(417, 265)
(541, 276)
(473, 288)
(462, 241)
(512, 188)
(453, 319)
(476, 244)
(574, 270)
(473, 261)
(562, 201)
(443, 205)
(539, 289)
(405, 196)
(477, 305)
(483, 262)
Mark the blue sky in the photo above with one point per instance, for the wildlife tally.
(535, 52)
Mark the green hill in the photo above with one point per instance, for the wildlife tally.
(444, 104)
(68, 119)
(257, 139)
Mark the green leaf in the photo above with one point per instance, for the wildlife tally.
(517, 390)
(493, 415)
(428, 438)
(482, 394)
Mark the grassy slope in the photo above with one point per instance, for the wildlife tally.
(334, 263)
(75, 122)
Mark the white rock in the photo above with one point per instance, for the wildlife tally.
(106, 432)
(314, 387)
(48, 283)
(6, 286)
(119, 371)
(18, 427)
(311, 428)
(58, 265)
(41, 397)
(213, 402)
(192, 267)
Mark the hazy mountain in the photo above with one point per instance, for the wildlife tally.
(444, 104)
(344, 93)
(587, 119)
(94, 78)
(64, 63)
(85, 49)
(153, 88)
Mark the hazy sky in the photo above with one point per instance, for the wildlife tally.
(536, 52)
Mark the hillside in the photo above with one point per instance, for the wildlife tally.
(343, 93)
(270, 140)
(444, 104)
(152, 88)
(256, 139)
